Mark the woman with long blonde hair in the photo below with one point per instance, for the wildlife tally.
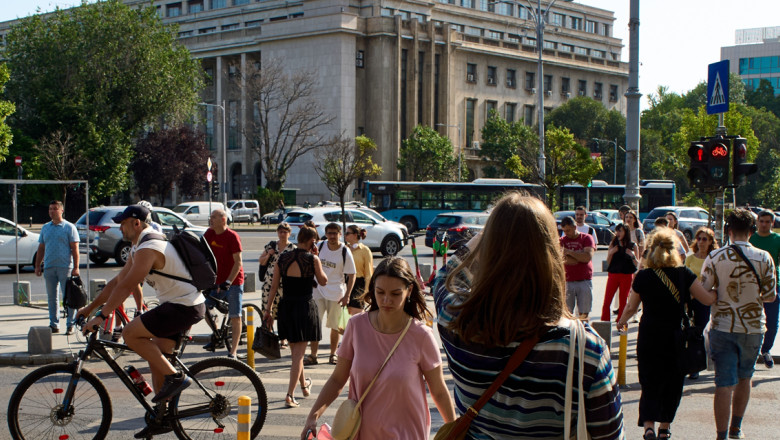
(495, 293)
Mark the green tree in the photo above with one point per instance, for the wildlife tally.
(508, 149)
(763, 96)
(101, 72)
(427, 155)
(6, 109)
(343, 163)
(567, 161)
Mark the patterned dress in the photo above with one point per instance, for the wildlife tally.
(269, 275)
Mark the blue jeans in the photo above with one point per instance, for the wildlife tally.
(771, 312)
(55, 278)
(735, 356)
(233, 296)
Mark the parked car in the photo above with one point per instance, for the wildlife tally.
(104, 239)
(612, 215)
(605, 229)
(379, 218)
(385, 237)
(198, 213)
(690, 219)
(27, 242)
(459, 227)
(245, 210)
(272, 218)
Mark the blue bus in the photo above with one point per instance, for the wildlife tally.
(415, 204)
(601, 195)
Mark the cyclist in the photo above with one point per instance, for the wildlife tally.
(156, 331)
(226, 245)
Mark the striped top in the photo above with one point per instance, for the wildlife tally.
(530, 404)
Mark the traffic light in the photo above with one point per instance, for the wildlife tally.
(740, 169)
(698, 172)
(718, 161)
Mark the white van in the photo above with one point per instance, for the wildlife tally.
(198, 213)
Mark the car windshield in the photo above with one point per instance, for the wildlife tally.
(94, 217)
(374, 215)
(445, 220)
(655, 213)
(561, 214)
(298, 217)
(168, 219)
(180, 208)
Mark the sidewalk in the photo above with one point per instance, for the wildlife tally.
(15, 322)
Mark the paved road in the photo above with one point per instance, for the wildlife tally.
(694, 418)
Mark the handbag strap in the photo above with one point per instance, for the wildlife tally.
(517, 358)
(397, 342)
(684, 315)
(745, 259)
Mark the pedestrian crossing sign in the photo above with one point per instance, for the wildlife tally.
(718, 87)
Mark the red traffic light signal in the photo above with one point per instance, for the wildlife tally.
(698, 173)
(740, 169)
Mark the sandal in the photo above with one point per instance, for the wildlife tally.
(310, 360)
(290, 402)
(649, 434)
(284, 345)
(306, 389)
(333, 360)
(664, 433)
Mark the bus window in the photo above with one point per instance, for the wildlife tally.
(455, 200)
(480, 201)
(431, 199)
(406, 200)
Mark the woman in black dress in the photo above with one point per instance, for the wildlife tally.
(297, 318)
(660, 376)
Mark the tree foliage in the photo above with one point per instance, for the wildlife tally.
(101, 72)
(6, 109)
(58, 155)
(343, 163)
(288, 123)
(171, 156)
(508, 149)
(427, 155)
(567, 161)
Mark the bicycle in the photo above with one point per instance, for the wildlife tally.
(221, 335)
(112, 327)
(68, 401)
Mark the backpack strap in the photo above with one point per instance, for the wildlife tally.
(156, 236)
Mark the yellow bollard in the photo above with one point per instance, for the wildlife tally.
(622, 355)
(250, 336)
(244, 418)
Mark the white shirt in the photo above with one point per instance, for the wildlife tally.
(168, 289)
(335, 266)
(585, 229)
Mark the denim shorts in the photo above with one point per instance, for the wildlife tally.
(233, 295)
(735, 356)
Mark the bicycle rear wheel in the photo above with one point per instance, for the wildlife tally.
(34, 404)
(227, 379)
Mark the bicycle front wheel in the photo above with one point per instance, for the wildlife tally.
(227, 379)
(36, 409)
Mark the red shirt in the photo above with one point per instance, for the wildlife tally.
(579, 271)
(224, 245)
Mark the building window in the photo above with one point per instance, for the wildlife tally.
(575, 23)
(582, 87)
(495, 35)
(613, 92)
(528, 117)
(597, 90)
(468, 4)
(511, 78)
(388, 12)
(483, 5)
(471, 105)
(490, 106)
(550, 45)
(522, 13)
(209, 76)
(505, 9)
(548, 83)
(530, 80)
(253, 23)
(477, 32)
(233, 143)
(471, 72)
(566, 48)
(184, 34)
(511, 108)
(240, 2)
(581, 50)
(360, 59)
(207, 30)
(565, 86)
(590, 26)
(604, 30)
(231, 26)
(598, 54)
(491, 75)
(216, 4)
(557, 19)
(210, 127)
(173, 10)
(195, 6)
(530, 41)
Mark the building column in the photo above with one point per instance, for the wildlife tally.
(247, 167)
(431, 95)
(218, 128)
(414, 57)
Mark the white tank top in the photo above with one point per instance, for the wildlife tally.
(168, 289)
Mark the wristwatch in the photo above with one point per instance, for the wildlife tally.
(105, 318)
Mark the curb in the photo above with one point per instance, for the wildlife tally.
(34, 359)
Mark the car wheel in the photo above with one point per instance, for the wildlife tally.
(122, 253)
(255, 218)
(97, 259)
(410, 223)
(391, 245)
(688, 235)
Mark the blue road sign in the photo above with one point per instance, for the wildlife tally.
(718, 87)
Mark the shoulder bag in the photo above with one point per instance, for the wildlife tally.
(457, 429)
(266, 342)
(264, 267)
(576, 334)
(346, 422)
(691, 354)
(750, 265)
(75, 296)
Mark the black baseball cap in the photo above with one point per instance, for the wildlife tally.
(132, 211)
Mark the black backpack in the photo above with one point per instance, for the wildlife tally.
(196, 255)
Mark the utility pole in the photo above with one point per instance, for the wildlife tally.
(632, 95)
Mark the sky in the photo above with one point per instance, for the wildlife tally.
(677, 38)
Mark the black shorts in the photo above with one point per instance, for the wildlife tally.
(171, 321)
(357, 292)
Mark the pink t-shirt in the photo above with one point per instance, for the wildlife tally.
(396, 406)
(579, 271)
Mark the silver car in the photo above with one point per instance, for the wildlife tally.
(690, 219)
(104, 239)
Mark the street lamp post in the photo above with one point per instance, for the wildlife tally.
(224, 184)
(459, 147)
